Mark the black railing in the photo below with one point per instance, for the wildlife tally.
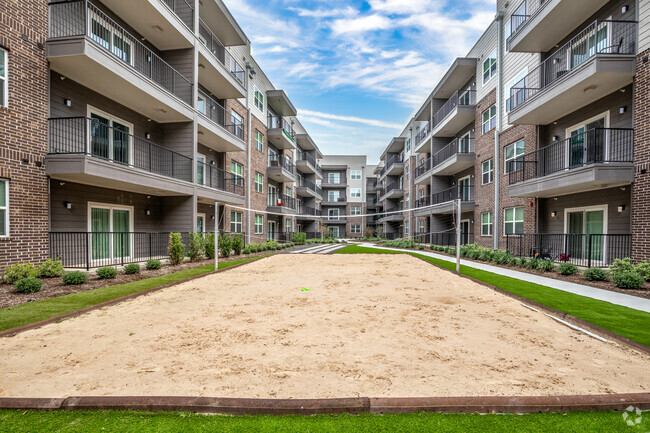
(219, 51)
(183, 10)
(595, 146)
(463, 145)
(276, 160)
(423, 167)
(461, 97)
(447, 239)
(341, 198)
(84, 136)
(396, 158)
(426, 130)
(394, 186)
(281, 200)
(309, 211)
(214, 111)
(82, 18)
(310, 185)
(463, 192)
(423, 202)
(279, 122)
(586, 250)
(218, 178)
(600, 38)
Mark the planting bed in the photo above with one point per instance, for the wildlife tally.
(369, 325)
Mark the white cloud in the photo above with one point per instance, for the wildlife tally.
(353, 119)
(361, 24)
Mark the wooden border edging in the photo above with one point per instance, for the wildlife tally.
(355, 405)
(13, 331)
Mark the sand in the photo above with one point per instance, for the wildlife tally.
(377, 326)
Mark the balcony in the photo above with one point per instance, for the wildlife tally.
(445, 202)
(280, 103)
(421, 136)
(217, 129)
(307, 212)
(281, 133)
(392, 214)
(88, 47)
(281, 169)
(394, 166)
(342, 183)
(334, 200)
(306, 188)
(281, 203)
(89, 152)
(538, 25)
(218, 69)
(423, 172)
(456, 114)
(307, 164)
(596, 159)
(454, 158)
(167, 24)
(577, 74)
(393, 191)
(216, 184)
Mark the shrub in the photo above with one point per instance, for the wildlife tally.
(627, 280)
(75, 278)
(175, 249)
(513, 261)
(523, 262)
(197, 243)
(299, 238)
(567, 269)
(532, 264)
(237, 243)
(51, 269)
(246, 250)
(225, 244)
(29, 285)
(132, 268)
(545, 265)
(367, 233)
(595, 274)
(106, 273)
(400, 243)
(153, 264)
(421, 247)
(208, 246)
(19, 271)
(643, 269)
(621, 266)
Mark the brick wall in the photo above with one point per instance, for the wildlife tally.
(641, 186)
(259, 164)
(23, 128)
(239, 157)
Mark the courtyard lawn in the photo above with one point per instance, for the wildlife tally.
(31, 421)
(32, 312)
(629, 323)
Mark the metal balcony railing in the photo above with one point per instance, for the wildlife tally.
(460, 145)
(426, 130)
(183, 10)
(276, 160)
(599, 38)
(85, 136)
(304, 156)
(391, 161)
(518, 20)
(397, 185)
(311, 186)
(309, 211)
(595, 146)
(218, 178)
(220, 53)
(461, 97)
(82, 18)
(341, 198)
(214, 111)
(423, 202)
(277, 122)
(423, 167)
(281, 200)
(463, 192)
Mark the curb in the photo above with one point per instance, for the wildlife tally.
(353, 406)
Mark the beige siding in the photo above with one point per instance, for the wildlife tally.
(483, 48)
(644, 25)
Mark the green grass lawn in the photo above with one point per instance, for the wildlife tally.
(629, 323)
(16, 421)
(24, 314)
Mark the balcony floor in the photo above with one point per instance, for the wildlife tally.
(455, 164)
(279, 138)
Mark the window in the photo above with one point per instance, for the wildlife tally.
(489, 119)
(200, 169)
(238, 170)
(408, 145)
(200, 223)
(516, 83)
(4, 78)
(108, 218)
(486, 224)
(287, 226)
(110, 37)
(259, 141)
(487, 169)
(355, 192)
(490, 67)
(407, 228)
(287, 191)
(201, 104)
(4, 208)
(259, 224)
(514, 221)
(355, 228)
(333, 214)
(355, 210)
(236, 121)
(512, 151)
(236, 222)
(355, 175)
(421, 226)
(110, 137)
(407, 200)
(259, 99)
(259, 182)
(421, 194)
(332, 196)
(334, 178)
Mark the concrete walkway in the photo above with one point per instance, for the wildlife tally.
(630, 301)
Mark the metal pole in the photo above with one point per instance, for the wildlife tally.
(216, 235)
(458, 228)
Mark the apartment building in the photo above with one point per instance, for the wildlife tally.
(533, 131)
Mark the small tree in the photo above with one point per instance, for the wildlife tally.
(380, 232)
(237, 243)
(299, 238)
(367, 233)
(175, 249)
(209, 246)
(225, 244)
(197, 245)
(327, 233)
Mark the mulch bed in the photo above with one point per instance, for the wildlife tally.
(643, 292)
(54, 287)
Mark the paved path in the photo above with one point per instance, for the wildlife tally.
(317, 249)
(630, 301)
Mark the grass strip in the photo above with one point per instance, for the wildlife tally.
(627, 322)
(68, 422)
(32, 312)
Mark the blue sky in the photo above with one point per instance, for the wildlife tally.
(356, 70)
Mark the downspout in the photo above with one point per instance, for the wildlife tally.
(248, 155)
(411, 181)
(497, 132)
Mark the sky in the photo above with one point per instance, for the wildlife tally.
(356, 70)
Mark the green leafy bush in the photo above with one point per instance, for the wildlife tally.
(400, 243)
(421, 247)
(19, 271)
(567, 269)
(595, 274)
(225, 244)
(51, 269)
(643, 269)
(175, 249)
(29, 285)
(532, 264)
(153, 264)
(246, 250)
(523, 262)
(132, 268)
(627, 280)
(237, 243)
(75, 278)
(106, 273)
(299, 238)
(208, 246)
(621, 266)
(513, 261)
(195, 251)
(545, 265)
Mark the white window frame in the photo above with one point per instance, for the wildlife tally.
(355, 192)
(515, 221)
(6, 208)
(490, 172)
(583, 124)
(421, 226)
(259, 228)
(489, 225)
(115, 32)
(259, 184)
(203, 167)
(355, 228)
(520, 76)
(5, 79)
(259, 141)
(505, 151)
(355, 210)
(491, 122)
(287, 226)
(355, 175)
(201, 104)
(492, 59)
(239, 178)
(336, 194)
(407, 227)
(111, 208)
(200, 216)
(258, 100)
(235, 222)
(585, 209)
(111, 118)
(333, 215)
(336, 176)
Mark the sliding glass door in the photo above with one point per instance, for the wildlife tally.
(110, 232)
